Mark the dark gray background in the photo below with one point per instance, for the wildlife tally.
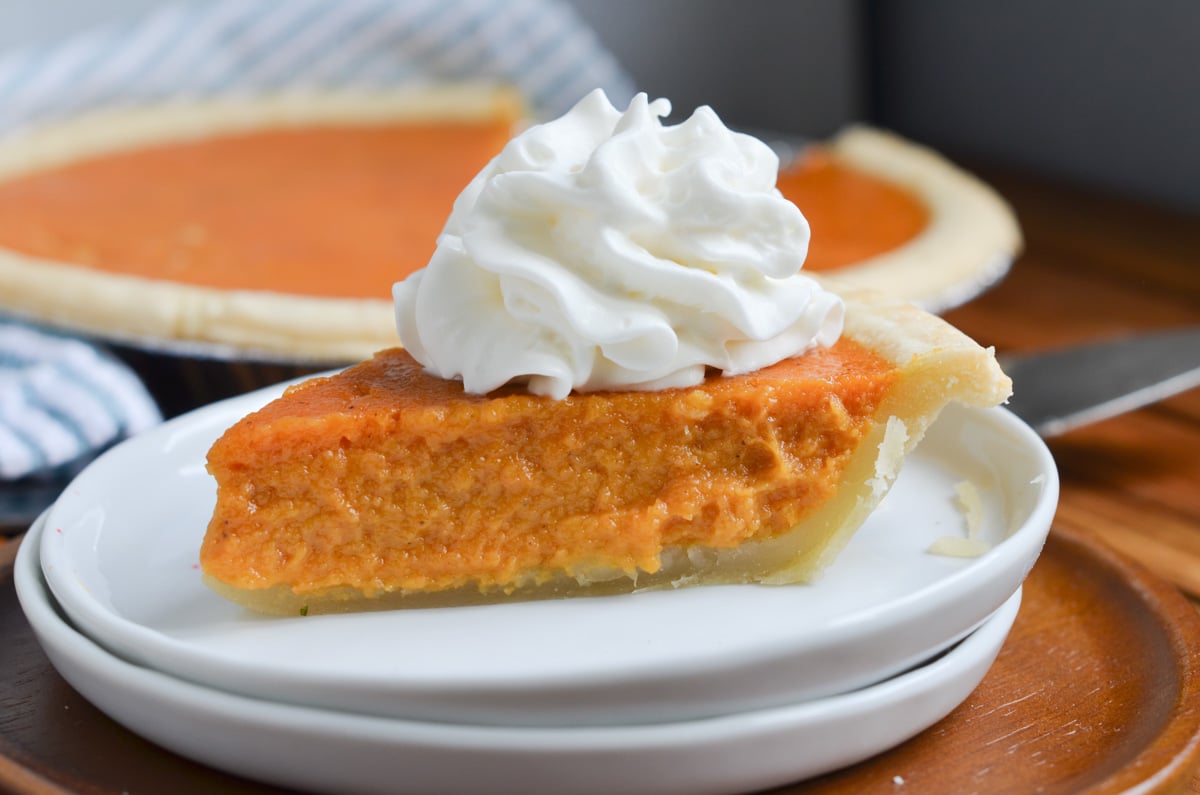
(1105, 93)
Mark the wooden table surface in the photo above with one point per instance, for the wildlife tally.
(1093, 267)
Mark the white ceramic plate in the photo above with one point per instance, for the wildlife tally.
(120, 555)
(328, 751)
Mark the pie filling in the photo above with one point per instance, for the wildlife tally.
(270, 210)
(333, 211)
(384, 478)
(854, 215)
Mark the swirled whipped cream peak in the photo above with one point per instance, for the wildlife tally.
(606, 250)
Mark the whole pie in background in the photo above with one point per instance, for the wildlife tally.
(273, 228)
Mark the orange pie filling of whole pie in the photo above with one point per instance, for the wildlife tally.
(275, 209)
(854, 215)
(333, 211)
(274, 228)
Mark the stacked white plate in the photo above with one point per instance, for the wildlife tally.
(704, 690)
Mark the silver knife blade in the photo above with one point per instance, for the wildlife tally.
(1058, 390)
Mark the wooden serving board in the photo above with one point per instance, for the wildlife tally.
(1096, 691)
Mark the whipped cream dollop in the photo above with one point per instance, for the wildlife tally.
(606, 250)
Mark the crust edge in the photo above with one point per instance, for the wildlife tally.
(970, 243)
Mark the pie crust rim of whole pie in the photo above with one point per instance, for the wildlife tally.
(969, 242)
(189, 320)
(935, 364)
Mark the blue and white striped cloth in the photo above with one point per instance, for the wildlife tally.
(61, 398)
(250, 46)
